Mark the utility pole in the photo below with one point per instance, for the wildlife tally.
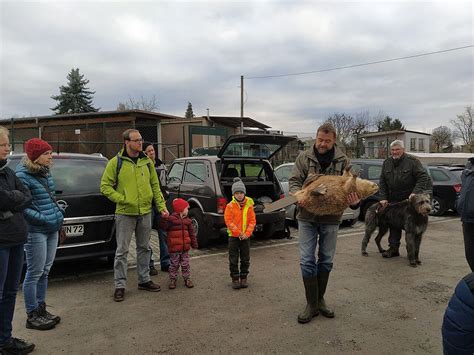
(241, 104)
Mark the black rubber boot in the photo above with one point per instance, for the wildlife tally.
(323, 278)
(311, 291)
(391, 253)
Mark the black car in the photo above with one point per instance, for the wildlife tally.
(446, 184)
(206, 182)
(89, 218)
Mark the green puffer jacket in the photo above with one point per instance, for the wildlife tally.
(307, 164)
(136, 188)
(400, 178)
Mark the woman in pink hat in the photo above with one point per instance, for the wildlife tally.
(44, 219)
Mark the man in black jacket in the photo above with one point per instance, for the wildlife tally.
(402, 176)
(14, 197)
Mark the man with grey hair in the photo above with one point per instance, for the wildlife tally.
(402, 176)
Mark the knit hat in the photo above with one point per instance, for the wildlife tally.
(179, 205)
(238, 186)
(35, 147)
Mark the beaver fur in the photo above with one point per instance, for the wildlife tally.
(327, 194)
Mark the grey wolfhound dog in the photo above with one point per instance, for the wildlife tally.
(411, 215)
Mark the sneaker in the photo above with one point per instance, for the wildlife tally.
(172, 284)
(188, 283)
(119, 294)
(36, 321)
(149, 286)
(243, 282)
(44, 312)
(153, 271)
(165, 268)
(17, 346)
(235, 283)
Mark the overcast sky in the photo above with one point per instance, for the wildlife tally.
(196, 51)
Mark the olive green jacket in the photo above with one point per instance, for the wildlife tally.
(136, 187)
(307, 164)
(399, 179)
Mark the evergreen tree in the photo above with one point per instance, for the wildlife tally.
(189, 111)
(75, 97)
(387, 124)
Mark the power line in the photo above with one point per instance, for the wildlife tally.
(362, 64)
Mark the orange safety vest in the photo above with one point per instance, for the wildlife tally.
(240, 219)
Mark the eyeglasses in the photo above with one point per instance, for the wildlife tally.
(6, 145)
(139, 140)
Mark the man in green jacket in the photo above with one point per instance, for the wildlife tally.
(402, 176)
(130, 180)
(318, 232)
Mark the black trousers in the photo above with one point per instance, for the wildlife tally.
(394, 237)
(468, 231)
(238, 248)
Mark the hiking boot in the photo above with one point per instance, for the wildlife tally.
(149, 286)
(323, 278)
(17, 346)
(311, 293)
(36, 321)
(172, 284)
(243, 282)
(235, 283)
(44, 312)
(188, 283)
(153, 271)
(119, 294)
(390, 253)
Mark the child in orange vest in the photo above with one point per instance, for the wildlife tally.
(240, 220)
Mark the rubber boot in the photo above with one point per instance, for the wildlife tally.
(391, 252)
(323, 278)
(311, 291)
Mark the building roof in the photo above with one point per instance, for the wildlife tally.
(232, 121)
(390, 133)
(100, 114)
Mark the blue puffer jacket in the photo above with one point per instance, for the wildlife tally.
(465, 202)
(458, 322)
(43, 215)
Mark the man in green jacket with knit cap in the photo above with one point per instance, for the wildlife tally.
(130, 180)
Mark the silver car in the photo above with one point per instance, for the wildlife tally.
(283, 173)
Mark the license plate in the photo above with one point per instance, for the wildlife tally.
(74, 230)
(259, 228)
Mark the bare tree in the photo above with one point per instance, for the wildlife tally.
(344, 125)
(464, 127)
(441, 136)
(139, 104)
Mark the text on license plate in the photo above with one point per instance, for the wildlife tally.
(74, 230)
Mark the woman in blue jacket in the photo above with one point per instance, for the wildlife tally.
(44, 219)
(465, 208)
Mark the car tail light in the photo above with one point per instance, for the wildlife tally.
(221, 203)
(282, 196)
(457, 188)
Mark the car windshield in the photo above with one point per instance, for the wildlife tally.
(250, 150)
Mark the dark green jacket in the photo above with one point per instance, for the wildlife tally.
(399, 179)
(307, 164)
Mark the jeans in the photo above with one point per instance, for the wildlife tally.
(468, 232)
(164, 255)
(40, 252)
(125, 226)
(11, 264)
(178, 259)
(310, 236)
(238, 248)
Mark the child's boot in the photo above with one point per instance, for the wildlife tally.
(243, 282)
(235, 283)
(172, 284)
(188, 283)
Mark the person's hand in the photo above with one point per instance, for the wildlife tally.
(411, 195)
(302, 203)
(353, 198)
(165, 214)
(384, 203)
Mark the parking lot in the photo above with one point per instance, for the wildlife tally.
(382, 306)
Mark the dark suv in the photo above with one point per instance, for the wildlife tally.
(446, 184)
(206, 181)
(89, 218)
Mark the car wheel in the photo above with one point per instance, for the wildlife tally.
(349, 222)
(438, 207)
(364, 209)
(200, 228)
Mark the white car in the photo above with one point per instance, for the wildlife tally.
(283, 173)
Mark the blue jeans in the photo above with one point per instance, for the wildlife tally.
(312, 235)
(11, 264)
(164, 254)
(40, 252)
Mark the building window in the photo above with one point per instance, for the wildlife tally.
(371, 149)
(421, 145)
(413, 144)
